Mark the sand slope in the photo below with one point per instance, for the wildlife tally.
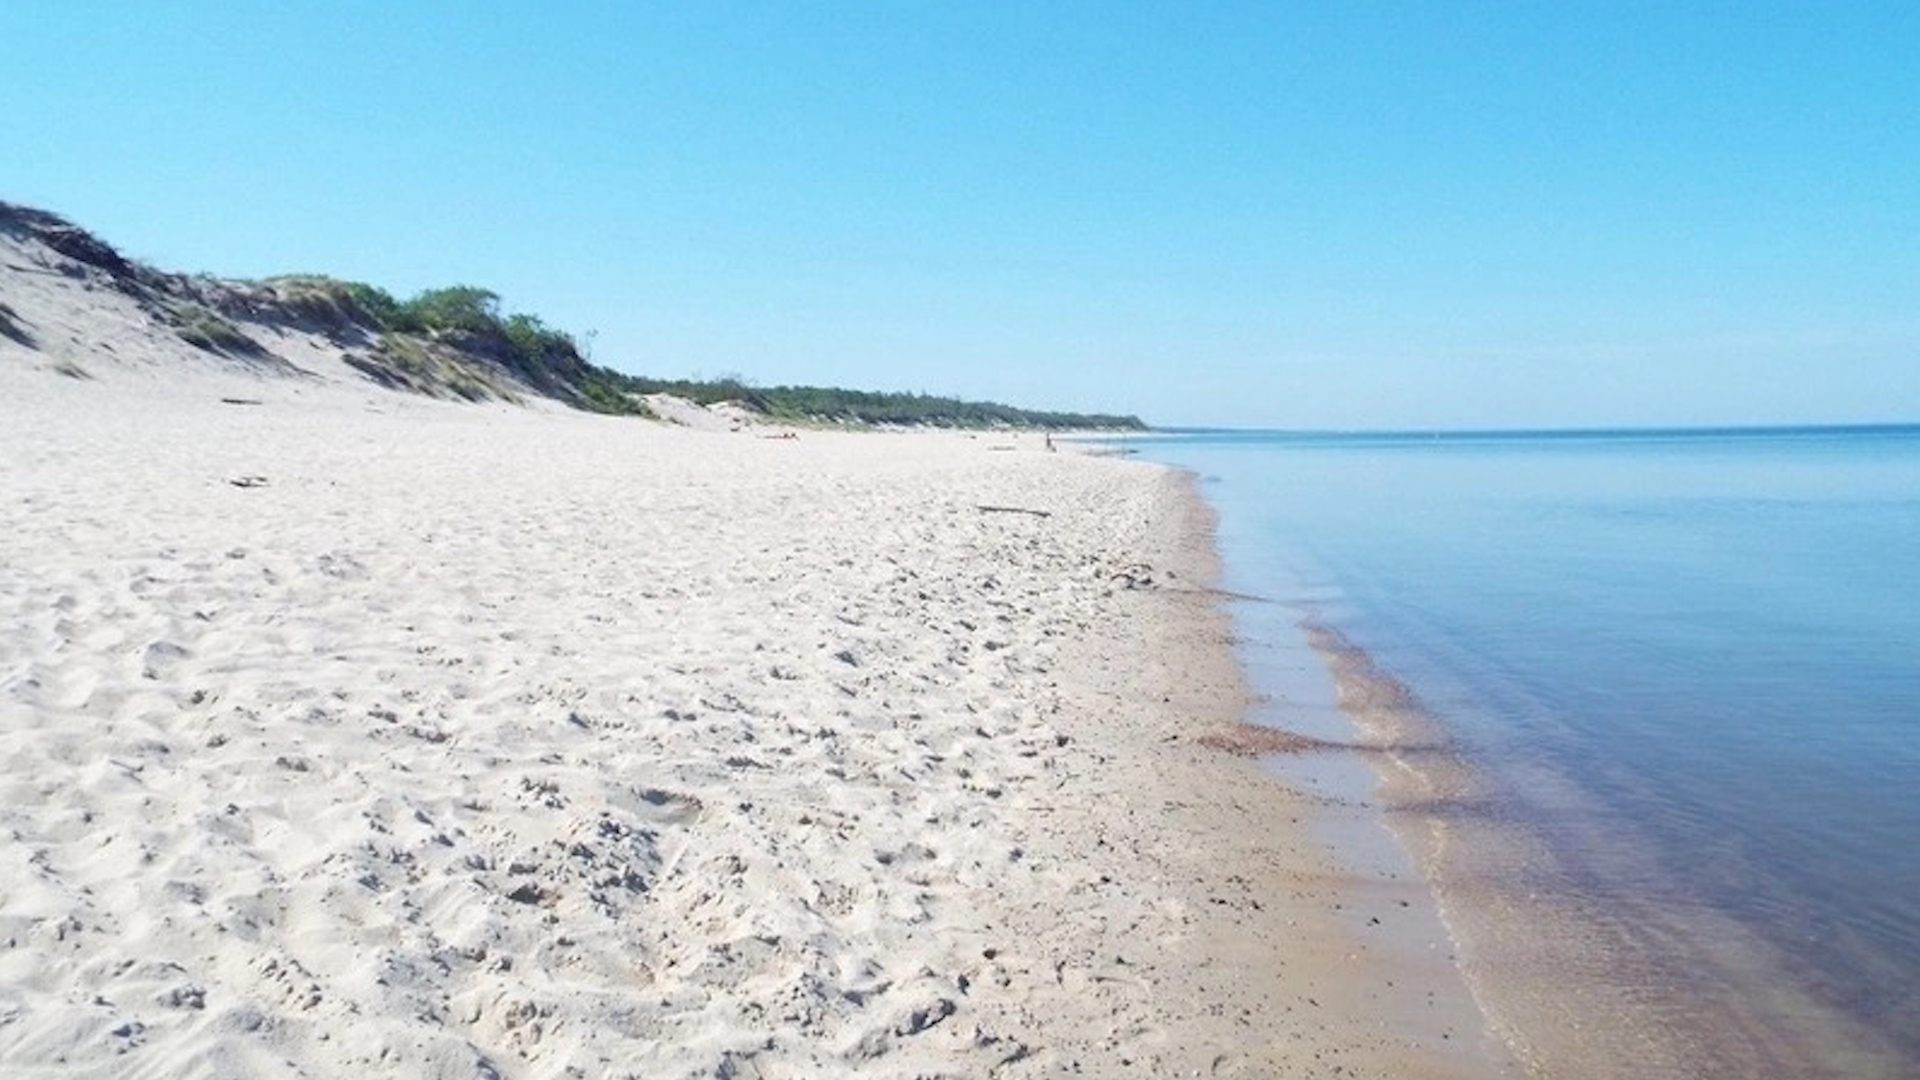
(484, 741)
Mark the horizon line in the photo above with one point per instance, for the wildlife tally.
(1572, 432)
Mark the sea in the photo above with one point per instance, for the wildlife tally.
(1653, 702)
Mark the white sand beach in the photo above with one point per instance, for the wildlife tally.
(346, 733)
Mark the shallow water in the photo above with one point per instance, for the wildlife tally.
(1679, 675)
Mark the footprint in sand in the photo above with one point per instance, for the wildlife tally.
(161, 659)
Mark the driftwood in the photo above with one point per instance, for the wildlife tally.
(1015, 510)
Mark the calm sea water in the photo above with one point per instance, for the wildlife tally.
(1686, 666)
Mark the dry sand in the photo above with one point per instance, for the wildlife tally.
(348, 734)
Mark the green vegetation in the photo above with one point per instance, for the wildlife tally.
(457, 307)
(207, 330)
(456, 341)
(336, 305)
(821, 404)
(428, 343)
(605, 392)
(411, 362)
(421, 340)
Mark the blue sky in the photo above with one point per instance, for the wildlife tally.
(1303, 215)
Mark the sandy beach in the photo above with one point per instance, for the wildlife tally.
(691, 541)
(349, 733)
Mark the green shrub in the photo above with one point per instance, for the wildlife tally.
(457, 307)
(387, 313)
(535, 340)
(601, 391)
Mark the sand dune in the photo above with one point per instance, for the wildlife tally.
(489, 741)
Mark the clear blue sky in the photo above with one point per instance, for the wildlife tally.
(1310, 214)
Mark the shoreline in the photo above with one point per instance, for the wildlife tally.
(1298, 735)
(351, 731)
(1597, 977)
(1579, 984)
(1349, 945)
(1574, 984)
